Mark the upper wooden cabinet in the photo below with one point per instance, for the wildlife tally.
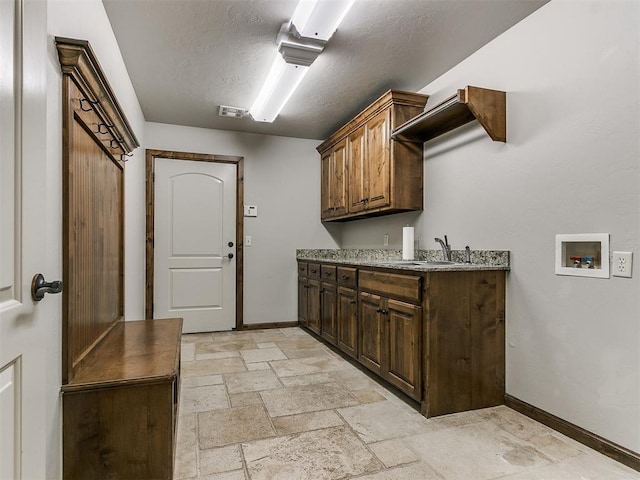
(384, 176)
(334, 181)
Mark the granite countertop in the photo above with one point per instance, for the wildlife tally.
(480, 259)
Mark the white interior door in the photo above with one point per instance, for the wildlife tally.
(24, 398)
(194, 244)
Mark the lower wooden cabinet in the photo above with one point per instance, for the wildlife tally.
(436, 336)
(329, 312)
(390, 341)
(313, 305)
(348, 321)
(373, 328)
(404, 329)
(302, 299)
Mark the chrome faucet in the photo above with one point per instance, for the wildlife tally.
(446, 248)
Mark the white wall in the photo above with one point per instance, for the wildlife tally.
(281, 177)
(571, 165)
(87, 20)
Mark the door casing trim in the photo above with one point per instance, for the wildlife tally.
(151, 156)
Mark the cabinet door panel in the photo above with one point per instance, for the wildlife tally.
(348, 321)
(339, 180)
(302, 301)
(356, 167)
(377, 165)
(328, 312)
(325, 185)
(313, 305)
(372, 333)
(405, 327)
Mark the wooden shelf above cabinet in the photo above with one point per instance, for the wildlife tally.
(467, 105)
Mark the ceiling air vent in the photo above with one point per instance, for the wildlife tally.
(233, 112)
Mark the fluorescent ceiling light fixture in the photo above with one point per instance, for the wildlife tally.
(319, 19)
(300, 41)
(280, 84)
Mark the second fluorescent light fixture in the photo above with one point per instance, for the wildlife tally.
(300, 41)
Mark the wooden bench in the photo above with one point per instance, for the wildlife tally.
(121, 408)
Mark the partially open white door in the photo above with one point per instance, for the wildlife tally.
(194, 236)
(24, 397)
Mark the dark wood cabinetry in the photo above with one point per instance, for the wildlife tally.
(437, 336)
(329, 304)
(313, 305)
(403, 368)
(464, 347)
(390, 328)
(309, 303)
(488, 107)
(302, 298)
(373, 328)
(120, 380)
(120, 410)
(347, 316)
(334, 181)
(377, 162)
(358, 167)
(329, 312)
(384, 176)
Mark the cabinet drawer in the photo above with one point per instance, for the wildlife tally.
(347, 276)
(313, 270)
(404, 287)
(328, 273)
(302, 269)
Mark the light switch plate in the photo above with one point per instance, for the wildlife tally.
(250, 210)
(622, 264)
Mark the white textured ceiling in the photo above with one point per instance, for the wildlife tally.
(188, 57)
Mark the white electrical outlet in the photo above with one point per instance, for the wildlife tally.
(248, 241)
(622, 263)
(385, 241)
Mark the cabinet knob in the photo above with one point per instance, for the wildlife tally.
(352, 302)
(327, 274)
(344, 277)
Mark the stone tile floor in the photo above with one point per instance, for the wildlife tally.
(278, 404)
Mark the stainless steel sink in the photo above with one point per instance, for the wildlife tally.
(421, 263)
